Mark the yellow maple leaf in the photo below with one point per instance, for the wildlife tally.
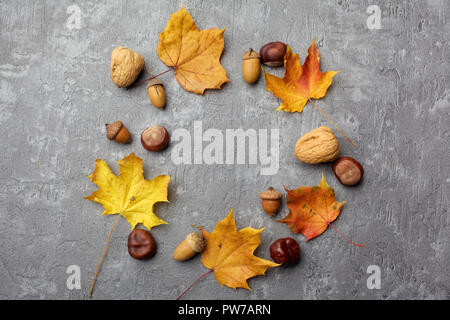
(129, 194)
(300, 83)
(194, 54)
(229, 253)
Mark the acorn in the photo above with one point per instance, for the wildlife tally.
(193, 243)
(156, 93)
(270, 200)
(118, 132)
(251, 66)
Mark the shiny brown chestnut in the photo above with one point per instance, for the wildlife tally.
(348, 171)
(141, 244)
(155, 138)
(285, 251)
(272, 53)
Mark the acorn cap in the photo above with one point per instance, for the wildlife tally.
(250, 54)
(196, 241)
(270, 194)
(154, 82)
(113, 129)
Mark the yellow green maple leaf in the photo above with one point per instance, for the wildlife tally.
(129, 194)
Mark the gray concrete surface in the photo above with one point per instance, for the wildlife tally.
(391, 97)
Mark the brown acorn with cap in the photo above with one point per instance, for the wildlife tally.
(193, 243)
(118, 132)
(156, 93)
(270, 201)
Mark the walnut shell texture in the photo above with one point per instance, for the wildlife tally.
(316, 146)
(125, 66)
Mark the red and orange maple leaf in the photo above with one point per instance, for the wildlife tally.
(312, 209)
(300, 83)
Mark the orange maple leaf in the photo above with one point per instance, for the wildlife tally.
(194, 54)
(229, 253)
(300, 83)
(312, 209)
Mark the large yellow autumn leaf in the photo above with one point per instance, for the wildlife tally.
(194, 54)
(300, 83)
(129, 194)
(229, 253)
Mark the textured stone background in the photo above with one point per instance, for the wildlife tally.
(391, 97)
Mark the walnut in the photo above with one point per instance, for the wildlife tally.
(125, 66)
(318, 145)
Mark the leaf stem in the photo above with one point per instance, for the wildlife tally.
(343, 236)
(103, 255)
(332, 122)
(151, 78)
(190, 287)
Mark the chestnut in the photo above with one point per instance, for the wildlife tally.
(272, 53)
(285, 251)
(348, 171)
(155, 138)
(141, 244)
